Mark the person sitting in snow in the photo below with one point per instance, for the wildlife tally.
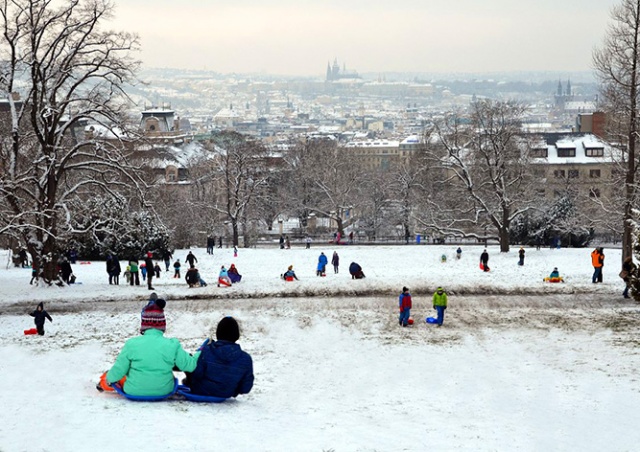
(39, 316)
(289, 275)
(223, 278)
(356, 271)
(147, 361)
(192, 277)
(234, 276)
(554, 276)
(224, 369)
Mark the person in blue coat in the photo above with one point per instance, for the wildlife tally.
(356, 271)
(224, 369)
(322, 264)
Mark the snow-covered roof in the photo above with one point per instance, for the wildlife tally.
(412, 139)
(579, 149)
(373, 144)
(100, 131)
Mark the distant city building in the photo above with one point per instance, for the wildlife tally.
(580, 161)
(334, 73)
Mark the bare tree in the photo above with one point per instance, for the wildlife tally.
(375, 203)
(329, 182)
(69, 71)
(241, 172)
(617, 67)
(485, 181)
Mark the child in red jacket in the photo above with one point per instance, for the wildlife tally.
(404, 303)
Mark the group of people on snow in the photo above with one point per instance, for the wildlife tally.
(145, 365)
(405, 304)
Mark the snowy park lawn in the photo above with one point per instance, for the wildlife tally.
(518, 365)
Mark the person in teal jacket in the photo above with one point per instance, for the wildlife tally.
(148, 360)
(440, 304)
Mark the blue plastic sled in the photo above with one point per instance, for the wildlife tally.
(185, 391)
(431, 320)
(135, 398)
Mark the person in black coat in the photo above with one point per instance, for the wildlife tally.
(148, 262)
(191, 259)
(39, 316)
(224, 369)
(65, 270)
(484, 260)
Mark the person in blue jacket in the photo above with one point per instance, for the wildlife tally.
(224, 369)
(322, 264)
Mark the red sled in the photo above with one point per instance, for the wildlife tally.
(481, 266)
(410, 321)
(30, 331)
(288, 278)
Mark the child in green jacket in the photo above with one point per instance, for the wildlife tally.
(148, 360)
(440, 304)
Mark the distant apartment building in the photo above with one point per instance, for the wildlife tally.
(381, 153)
(580, 162)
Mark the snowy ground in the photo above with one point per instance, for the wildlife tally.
(544, 367)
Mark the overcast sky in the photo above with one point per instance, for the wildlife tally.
(298, 37)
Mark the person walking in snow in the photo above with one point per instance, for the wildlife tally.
(458, 253)
(133, 271)
(440, 304)
(166, 257)
(148, 262)
(322, 265)
(287, 243)
(157, 270)
(308, 242)
(404, 303)
(39, 316)
(176, 269)
(484, 260)
(191, 259)
(521, 256)
(113, 269)
(235, 251)
(335, 261)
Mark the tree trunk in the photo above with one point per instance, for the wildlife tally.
(234, 228)
(504, 239)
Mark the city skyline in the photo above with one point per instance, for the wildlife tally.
(285, 37)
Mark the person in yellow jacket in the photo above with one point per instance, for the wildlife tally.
(440, 304)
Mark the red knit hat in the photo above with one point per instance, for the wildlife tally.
(153, 317)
